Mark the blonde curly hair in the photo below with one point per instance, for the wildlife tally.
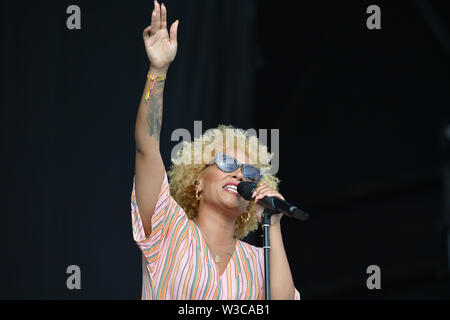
(186, 168)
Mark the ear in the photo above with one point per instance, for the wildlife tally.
(198, 182)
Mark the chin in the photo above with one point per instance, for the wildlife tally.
(236, 207)
(233, 202)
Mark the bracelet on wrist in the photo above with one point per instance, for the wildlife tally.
(156, 78)
(153, 79)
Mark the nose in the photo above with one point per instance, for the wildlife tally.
(238, 174)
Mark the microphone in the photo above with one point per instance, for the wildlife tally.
(274, 204)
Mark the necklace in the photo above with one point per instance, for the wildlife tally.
(217, 257)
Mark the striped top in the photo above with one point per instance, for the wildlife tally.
(176, 263)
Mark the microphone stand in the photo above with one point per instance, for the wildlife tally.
(266, 224)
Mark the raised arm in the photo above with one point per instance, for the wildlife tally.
(149, 172)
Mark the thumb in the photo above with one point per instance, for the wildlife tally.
(173, 31)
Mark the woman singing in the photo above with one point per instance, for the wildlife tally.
(189, 232)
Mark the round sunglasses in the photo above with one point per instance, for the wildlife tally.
(229, 164)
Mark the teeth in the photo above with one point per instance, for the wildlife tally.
(231, 187)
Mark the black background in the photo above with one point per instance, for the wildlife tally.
(361, 115)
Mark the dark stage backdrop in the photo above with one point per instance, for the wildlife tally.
(361, 115)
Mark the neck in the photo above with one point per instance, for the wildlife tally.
(217, 227)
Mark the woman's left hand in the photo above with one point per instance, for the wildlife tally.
(263, 190)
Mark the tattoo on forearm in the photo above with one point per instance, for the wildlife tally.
(155, 110)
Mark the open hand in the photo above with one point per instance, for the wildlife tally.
(161, 49)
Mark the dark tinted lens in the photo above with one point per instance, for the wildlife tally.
(250, 173)
(226, 163)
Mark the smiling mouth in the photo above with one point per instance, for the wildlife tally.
(231, 188)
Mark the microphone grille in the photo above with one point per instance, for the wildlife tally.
(245, 189)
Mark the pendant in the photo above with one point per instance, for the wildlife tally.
(217, 258)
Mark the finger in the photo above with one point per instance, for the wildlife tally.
(146, 31)
(156, 17)
(267, 191)
(272, 193)
(259, 197)
(261, 194)
(174, 31)
(153, 23)
(259, 189)
(163, 16)
(267, 194)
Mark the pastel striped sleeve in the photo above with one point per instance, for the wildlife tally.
(167, 213)
(261, 295)
(297, 294)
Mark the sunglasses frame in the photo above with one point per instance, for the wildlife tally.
(239, 165)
